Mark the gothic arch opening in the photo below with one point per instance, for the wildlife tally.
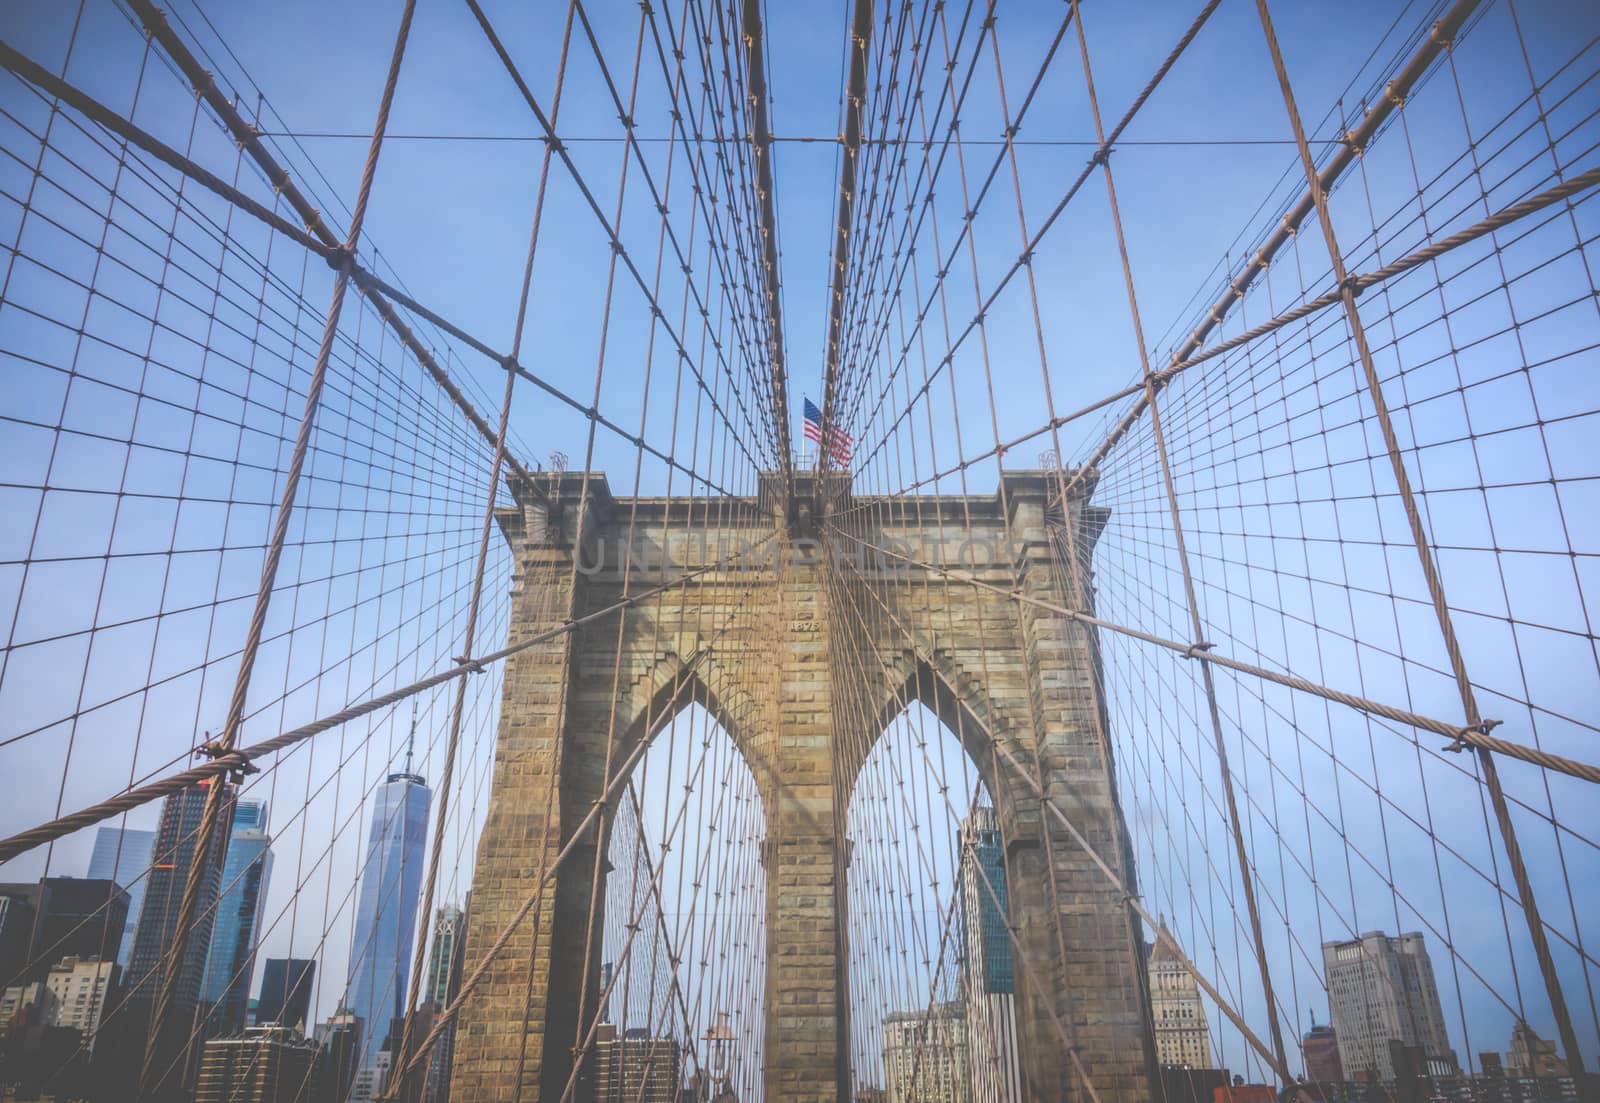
(932, 973)
(683, 945)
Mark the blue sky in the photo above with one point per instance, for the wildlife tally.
(1291, 516)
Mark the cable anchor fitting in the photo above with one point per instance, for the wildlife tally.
(340, 258)
(238, 769)
(1461, 743)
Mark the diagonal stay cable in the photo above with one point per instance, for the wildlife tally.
(156, 25)
(1354, 143)
(1477, 737)
(659, 200)
(240, 758)
(1567, 189)
(1025, 257)
(594, 205)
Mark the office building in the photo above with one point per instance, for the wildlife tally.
(177, 839)
(56, 918)
(16, 930)
(988, 971)
(635, 1068)
(420, 1025)
(80, 988)
(1321, 1048)
(1382, 990)
(20, 1003)
(386, 905)
(1182, 1035)
(925, 1056)
(122, 854)
(444, 962)
(371, 1078)
(265, 1064)
(442, 985)
(339, 1040)
(1185, 1084)
(286, 985)
(1531, 1055)
(245, 874)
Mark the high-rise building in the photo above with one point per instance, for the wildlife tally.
(608, 970)
(1321, 1048)
(386, 905)
(81, 988)
(442, 986)
(635, 1068)
(1382, 990)
(1182, 1035)
(340, 1041)
(286, 993)
(122, 854)
(177, 840)
(449, 946)
(925, 1055)
(265, 1064)
(421, 1025)
(371, 1078)
(17, 903)
(988, 970)
(56, 918)
(233, 936)
(25, 1005)
(1531, 1055)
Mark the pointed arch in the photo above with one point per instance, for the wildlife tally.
(674, 683)
(684, 899)
(927, 889)
(958, 698)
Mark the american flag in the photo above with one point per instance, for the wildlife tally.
(839, 442)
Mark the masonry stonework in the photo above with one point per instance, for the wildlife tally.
(757, 640)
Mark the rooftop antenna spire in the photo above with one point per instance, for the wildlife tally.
(411, 739)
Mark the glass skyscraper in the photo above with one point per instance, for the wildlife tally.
(122, 854)
(984, 898)
(386, 908)
(988, 974)
(157, 933)
(441, 985)
(238, 923)
(444, 966)
(286, 992)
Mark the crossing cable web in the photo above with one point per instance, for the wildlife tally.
(169, 340)
(1303, 490)
(1304, 565)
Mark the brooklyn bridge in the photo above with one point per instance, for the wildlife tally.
(938, 551)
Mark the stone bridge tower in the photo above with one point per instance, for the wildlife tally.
(759, 638)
